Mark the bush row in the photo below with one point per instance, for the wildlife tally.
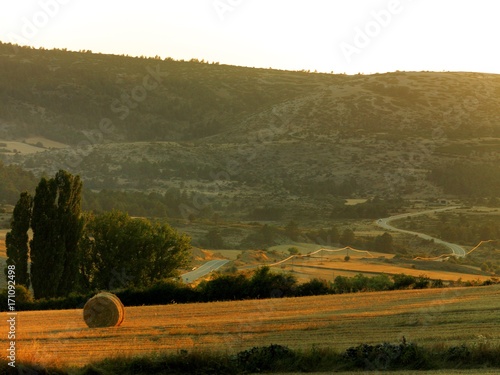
(279, 359)
(263, 283)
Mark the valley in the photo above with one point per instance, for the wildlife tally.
(315, 175)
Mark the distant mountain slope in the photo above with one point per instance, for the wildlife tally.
(59, 94)
(13, 180)
(258, 135)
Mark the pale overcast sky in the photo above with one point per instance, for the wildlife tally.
(326, 35)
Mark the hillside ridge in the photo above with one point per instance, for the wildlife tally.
(150, 124)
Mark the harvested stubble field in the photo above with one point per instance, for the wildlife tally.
(426, 317)
(329, 268)
(2, 243)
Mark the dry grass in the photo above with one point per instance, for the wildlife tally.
(31, 145)
(21, 148)
(3, 233)
(423, 316)
(229, 254)
(331, 266)
(354, 202)
(47, 143)
(3, 253)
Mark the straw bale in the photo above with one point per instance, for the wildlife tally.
(103, 310)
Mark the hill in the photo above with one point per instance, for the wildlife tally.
(249, 137)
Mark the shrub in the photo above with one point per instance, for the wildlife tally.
(265, 358)
(403, 281)
(225, 288)
(342, 284)
(267, 284)
(160, 293)
(438, 283)
(386, 356)
(23, 294)
(458, 354)
(380, 283)
(422, 282)
(314, 287)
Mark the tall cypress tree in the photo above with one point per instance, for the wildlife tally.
(57, 227)
(70, 216)
(16, 240)
(47, 247)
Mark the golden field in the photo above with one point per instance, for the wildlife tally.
(3, 253)
(330, 268)
(427, 317)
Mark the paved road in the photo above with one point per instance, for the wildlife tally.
(457, 250)
(203, 270)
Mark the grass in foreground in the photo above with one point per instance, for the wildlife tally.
(280, 359)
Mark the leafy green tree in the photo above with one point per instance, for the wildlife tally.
(57, 227)
(267, 284)
(225, 288)
(124, 252)
(16, 241)
(314, 287)
(380, 282)
(402, 281)
(359, 283)
(422, 282)
(342, 284)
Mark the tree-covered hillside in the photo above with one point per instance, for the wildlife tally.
(13, 180)
(60, 94)
(236, 138)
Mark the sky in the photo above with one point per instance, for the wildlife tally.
(340, 36)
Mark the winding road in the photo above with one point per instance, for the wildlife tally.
(457, 250)
(203, 270)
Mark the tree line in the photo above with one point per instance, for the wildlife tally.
(468, 179)
(79, 93)
(75, 251)
(261, 283)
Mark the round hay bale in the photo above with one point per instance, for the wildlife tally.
(103, 310)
